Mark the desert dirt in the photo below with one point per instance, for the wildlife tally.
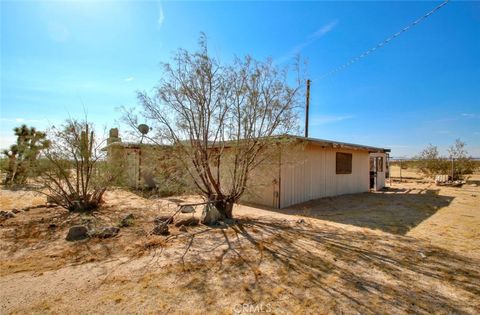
(413, 248)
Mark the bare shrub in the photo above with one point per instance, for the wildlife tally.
(463, 164)
(76, 174)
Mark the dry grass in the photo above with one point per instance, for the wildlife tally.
(266, 261)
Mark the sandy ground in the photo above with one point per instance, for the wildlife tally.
(413, 248)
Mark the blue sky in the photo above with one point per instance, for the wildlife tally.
(58, 58)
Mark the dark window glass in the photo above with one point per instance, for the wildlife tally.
(379, 164)
(344, 163)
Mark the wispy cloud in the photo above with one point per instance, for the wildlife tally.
(129, 79)
(470, 115)
(23, 120)
(161, 15)
(325, 29)
(455, 117)
(328, 119)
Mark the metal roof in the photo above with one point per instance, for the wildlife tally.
(322, 142)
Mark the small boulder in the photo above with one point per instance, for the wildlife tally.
(127, 220)
(210, 215)
(15, 211)
(192, 221)
(187, 209)
(107, 232)
(6, 215)
(161, 229)
(183, 228)
(167, 219)
(77, 233)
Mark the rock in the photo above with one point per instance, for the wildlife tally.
(187, 209)
(77, 233)
(107, 232)
(183, 228)
(15, 211)
(164, 218)
(6, 215)
(210, 215)
(188, 222)
(300, 221)
(127, 220)
(161, 229)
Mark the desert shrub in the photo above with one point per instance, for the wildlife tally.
(76, 175)
(463, 164)
(430, 163)
(457, 164)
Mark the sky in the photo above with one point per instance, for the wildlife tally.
(62, 59)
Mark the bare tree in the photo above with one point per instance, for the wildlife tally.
(222, 119)
(76, 175)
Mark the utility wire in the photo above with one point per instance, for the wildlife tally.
(384, 42)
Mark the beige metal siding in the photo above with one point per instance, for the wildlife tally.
(263, 185)
(310, 173)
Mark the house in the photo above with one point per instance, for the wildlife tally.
(304, 169)
(314, 168)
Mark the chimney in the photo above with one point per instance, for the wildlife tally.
(113, 136)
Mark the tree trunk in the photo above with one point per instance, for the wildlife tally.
(225, 208)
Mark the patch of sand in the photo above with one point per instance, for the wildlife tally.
(369, 253)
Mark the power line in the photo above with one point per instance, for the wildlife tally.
(384, 42)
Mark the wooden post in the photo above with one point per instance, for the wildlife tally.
(307, 108)
(400, 171)
(453, 172)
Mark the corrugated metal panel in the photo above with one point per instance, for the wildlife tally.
(309, 173)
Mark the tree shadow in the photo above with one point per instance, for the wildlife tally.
(360, 272)
(393, 210)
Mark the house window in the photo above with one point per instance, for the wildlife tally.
(379, 164)
(344, 163)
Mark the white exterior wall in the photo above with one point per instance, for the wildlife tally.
(307, 172)
(311, 174)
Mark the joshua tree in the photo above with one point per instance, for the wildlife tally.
(22, 156)
(221, 119)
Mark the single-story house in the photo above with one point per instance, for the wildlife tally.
(304, 170)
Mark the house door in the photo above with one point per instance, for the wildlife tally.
(373, 172)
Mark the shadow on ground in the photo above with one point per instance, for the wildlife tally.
(295, 267)
(393, 210)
